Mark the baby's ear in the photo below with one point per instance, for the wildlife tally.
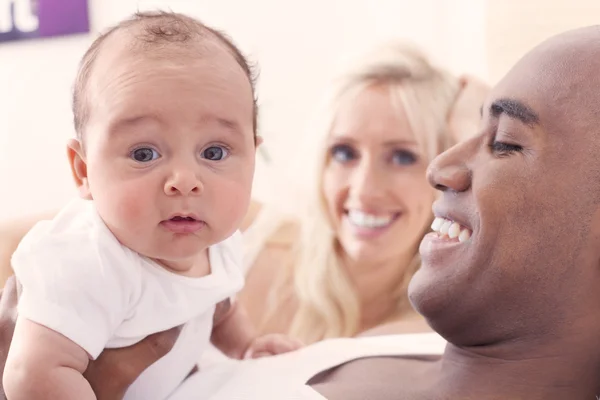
(258, 140)
(76, 157)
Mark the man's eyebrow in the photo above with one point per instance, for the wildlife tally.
(514, 109)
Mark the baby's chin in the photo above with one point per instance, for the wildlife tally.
(166, 246)
(189, 264)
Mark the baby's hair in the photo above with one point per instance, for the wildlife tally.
(158, 29)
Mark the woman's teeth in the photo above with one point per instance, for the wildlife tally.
(364, 220)
(451, 229)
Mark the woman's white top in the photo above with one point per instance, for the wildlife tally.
(284, 377)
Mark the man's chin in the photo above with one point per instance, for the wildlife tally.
(424, 294)
(449, 306)
(432, 296)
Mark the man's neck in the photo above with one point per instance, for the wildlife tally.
(562, 369)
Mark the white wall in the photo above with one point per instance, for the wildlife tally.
(299, 46)
(515, 26)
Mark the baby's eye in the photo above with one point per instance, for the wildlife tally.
(144, 154)
(215, 153)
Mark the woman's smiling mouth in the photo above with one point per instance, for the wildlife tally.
(366, 225)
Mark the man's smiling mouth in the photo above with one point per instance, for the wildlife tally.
(451, 230)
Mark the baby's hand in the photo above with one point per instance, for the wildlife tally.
(272, 344)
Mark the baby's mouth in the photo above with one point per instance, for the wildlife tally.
(183, 224)
(178, 219)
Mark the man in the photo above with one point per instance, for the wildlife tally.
(519, 302)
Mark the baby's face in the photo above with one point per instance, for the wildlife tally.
(169, 149)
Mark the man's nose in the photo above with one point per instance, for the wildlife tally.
(449, 171)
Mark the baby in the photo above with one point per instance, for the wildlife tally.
(164, 159)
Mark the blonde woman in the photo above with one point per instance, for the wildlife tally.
(343, 267)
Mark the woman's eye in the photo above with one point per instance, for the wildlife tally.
(342, 153)
(504, 149)
(404, 157)
(215, 153)
(144, 154)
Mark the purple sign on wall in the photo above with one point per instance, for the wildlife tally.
(27, 19)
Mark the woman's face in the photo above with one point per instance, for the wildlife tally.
(374, 179)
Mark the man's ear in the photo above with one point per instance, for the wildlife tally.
(79, 168)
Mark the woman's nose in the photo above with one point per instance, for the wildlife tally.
(367, 182)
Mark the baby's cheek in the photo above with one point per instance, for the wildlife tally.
(135, 205)
(232, 205)
(130, 208)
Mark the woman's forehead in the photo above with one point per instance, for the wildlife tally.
(371, 113)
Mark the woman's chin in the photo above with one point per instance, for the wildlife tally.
(368, 253)
(375, 248)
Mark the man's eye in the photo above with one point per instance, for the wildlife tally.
(215, 153)
(144, 154)
(504, 149)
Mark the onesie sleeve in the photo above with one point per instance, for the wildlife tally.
(78, 282)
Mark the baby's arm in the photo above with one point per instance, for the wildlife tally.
(43, 364)
(232, 331)
(234, 335)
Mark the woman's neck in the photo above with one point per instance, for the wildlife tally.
(378, 287)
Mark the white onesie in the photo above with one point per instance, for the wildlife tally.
(78, 280)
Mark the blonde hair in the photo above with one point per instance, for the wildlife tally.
(327, 304)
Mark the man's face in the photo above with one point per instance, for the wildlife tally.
(525, 191)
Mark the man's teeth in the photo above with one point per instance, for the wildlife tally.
(450, 229)
(364, 220)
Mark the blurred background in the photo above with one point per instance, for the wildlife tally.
(299, 47)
